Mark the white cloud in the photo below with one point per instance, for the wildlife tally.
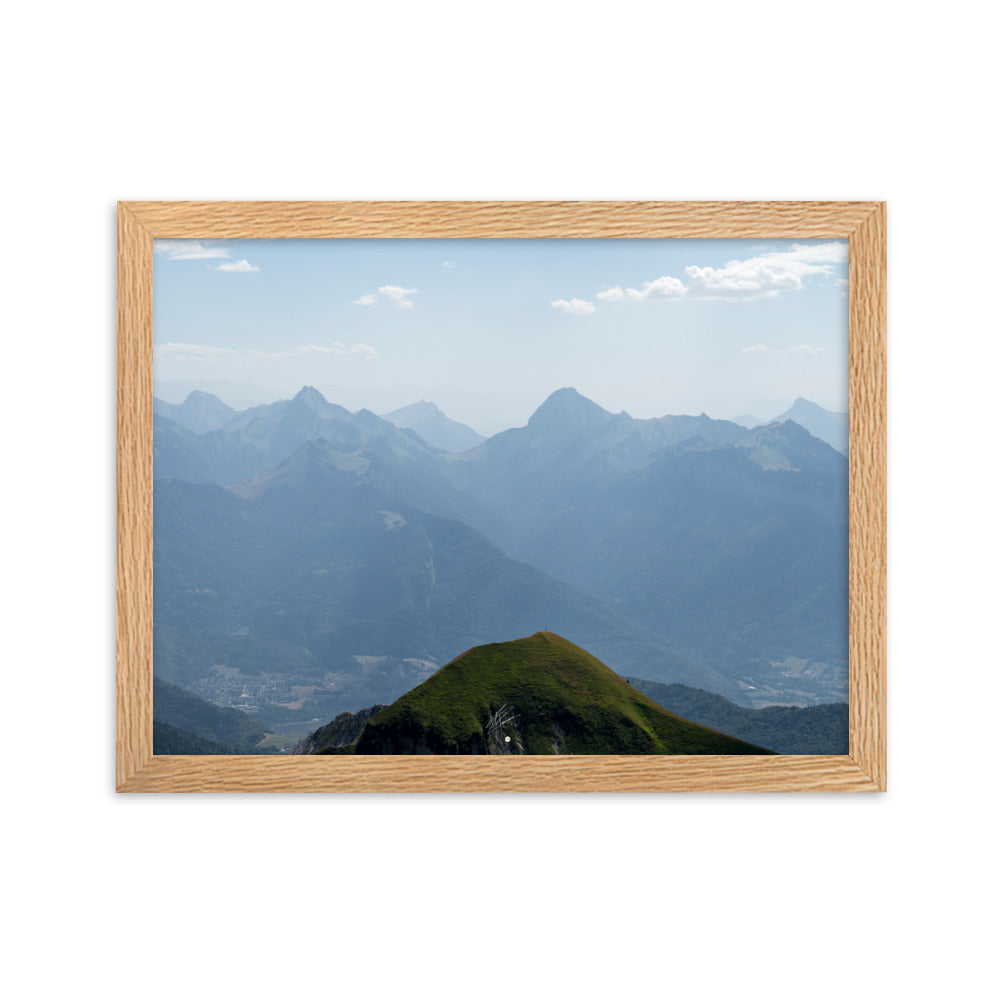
(832, 252)
(768, 274)
(665, 287)
(188, 250)
(574, 307)
(238, 266)
(400, 296)
(195, 250)
(745, 279)
(364, 352)
(394, 293)
(660, 288)
(448, 264)
(754, 349)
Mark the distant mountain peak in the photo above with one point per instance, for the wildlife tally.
(307, 394)
(820, 422)
(428, 422)
(424, 406)
(199, 396)
(801, 403)
(200, 412)
(567, 392)
(567, 410)
(421, 410)
(785, 445)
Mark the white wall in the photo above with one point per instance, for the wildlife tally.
(497, 897)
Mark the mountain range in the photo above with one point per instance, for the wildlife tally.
(829, 427)
(184, 723)
(785, 729)
(200, 412)
(315, 574)
(826, 425)
(311, 561)
(676, 523)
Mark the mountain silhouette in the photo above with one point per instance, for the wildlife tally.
(200, 412)
(538, 695)
(429, 423)
(827, 426)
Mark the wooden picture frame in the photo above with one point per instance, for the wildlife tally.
(863, 224)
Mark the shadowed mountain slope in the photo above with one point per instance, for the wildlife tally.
(737, 551)
(818, 729)
(340, 732)
(315, 568)
(184, 711)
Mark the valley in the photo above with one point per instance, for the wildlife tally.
(310, 561)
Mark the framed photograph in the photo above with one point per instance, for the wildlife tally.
(501, 496)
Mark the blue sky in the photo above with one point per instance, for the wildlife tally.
(487, 329)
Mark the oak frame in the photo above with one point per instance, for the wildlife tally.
(863, 224)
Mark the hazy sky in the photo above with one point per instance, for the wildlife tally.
(487, 329)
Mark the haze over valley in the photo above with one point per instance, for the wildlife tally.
(311, 561)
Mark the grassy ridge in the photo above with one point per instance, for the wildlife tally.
(564, 700)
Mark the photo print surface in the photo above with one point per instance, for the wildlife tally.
(500, 496)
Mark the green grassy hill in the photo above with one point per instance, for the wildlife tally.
(543, 695)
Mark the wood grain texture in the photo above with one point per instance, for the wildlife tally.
(867, 465)
(134, 475)
(496, 220)
(500, 774)
(862, 223)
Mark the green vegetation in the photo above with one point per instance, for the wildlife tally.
(819, 729)
(558, 699)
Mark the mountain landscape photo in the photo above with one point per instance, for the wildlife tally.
(611, 575)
